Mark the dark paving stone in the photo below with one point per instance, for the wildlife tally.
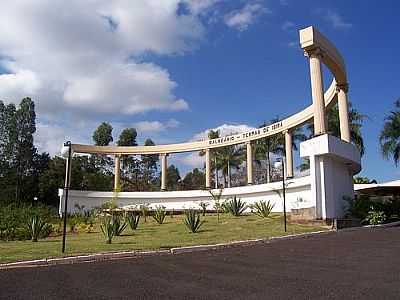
(344, 265)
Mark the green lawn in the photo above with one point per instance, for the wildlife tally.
(150, 235)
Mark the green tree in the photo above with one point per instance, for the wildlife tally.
(194, 180)
(173, 178)
(229, 157)
(390, 135)
(363, 180)
(130, 163)
(275, 144)
(149, 163)
(102, 136)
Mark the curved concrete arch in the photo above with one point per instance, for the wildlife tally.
(279, 127)
(310, 40)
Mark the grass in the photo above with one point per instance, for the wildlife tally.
(151, 236)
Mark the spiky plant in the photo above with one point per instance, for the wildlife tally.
(159, 214)
(133, 220)
(262, 208)
(35, 227)
(203, 206)
(144, 209)
(192, 220)
(119, 224)
(235, 206)
(107, 227)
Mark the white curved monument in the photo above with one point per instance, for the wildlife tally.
(333, 161)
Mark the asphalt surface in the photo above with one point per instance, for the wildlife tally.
(344, 265)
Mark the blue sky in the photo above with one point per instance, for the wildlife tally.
(202, 64)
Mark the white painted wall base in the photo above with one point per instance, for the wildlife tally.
(297, 196)
(333, 163)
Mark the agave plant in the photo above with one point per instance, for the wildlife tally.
(203, 206)
(262, 208)
(107, 227)
(35, 227)
(235, 206)
(133, 220)
(145, 211)
(159, 214)
(119, 224)
(192, 220)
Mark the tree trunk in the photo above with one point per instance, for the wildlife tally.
(229, 174)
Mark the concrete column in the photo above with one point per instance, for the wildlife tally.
(164, 167)
(343, 112)
(317, 89)
(208, 169)
(289, 154)
(117, 172)
(249, 152)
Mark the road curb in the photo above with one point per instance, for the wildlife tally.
(368, 227)
(97, 257)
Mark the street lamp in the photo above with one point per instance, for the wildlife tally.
(66, 152)
(280, 163)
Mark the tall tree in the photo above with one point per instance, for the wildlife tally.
(356, 120)
(390, 135)
(194, 180)
(102, 136)
(130, 163)
(229, 157)
(149, 162)
(173, 178)
(275, 144)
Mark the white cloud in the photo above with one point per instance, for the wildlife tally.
(224, 129)
(241, 19)
(288, 25)
(192, 160)
(155, 126)
(336, 20)
(86, 56)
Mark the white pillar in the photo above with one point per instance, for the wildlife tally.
(343, 112)
(208, 169)
(289, 154)
(317, 89)
(164, 171)
(117, 172)
(249, 152)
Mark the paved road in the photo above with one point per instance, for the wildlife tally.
(346, 265)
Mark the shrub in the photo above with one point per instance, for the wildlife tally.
(235, 206)
(108, 229)
(119, 224)
(159, 214)
(35, 227)
(375, 217)
(133, 220)
(144, 209)
(358, 207)
(192, 220)
(73, 222)
(216, 196)
(203, 206)
(262, 208)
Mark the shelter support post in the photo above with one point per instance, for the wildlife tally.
(317, 90)
(208, 169)
(249, 153)
(289, 153)
(117, 172)
(164, 164)
(343, 112)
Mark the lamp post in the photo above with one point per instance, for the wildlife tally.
(216, 171)
(66, 152)
(281, 163)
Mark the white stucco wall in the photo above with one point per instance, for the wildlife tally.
(297, 196)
